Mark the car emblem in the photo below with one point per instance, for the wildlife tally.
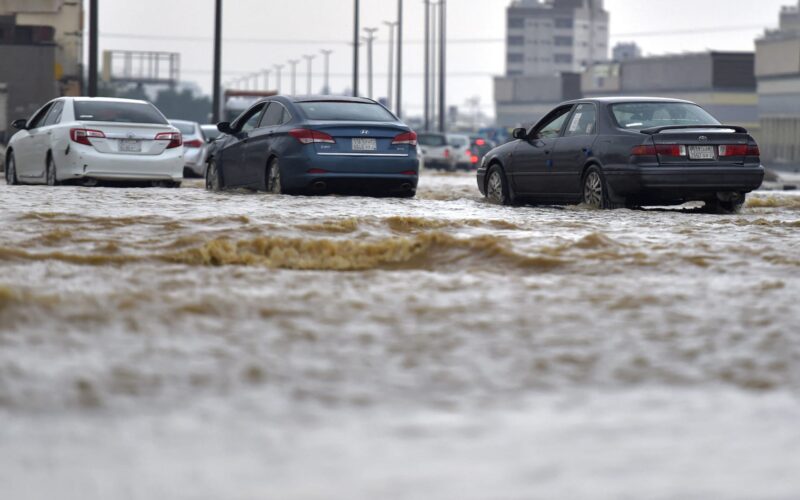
(702, 138)
(364, 132)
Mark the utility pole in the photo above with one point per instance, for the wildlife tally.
(390, 79)
(308, 59)
(266, 74)
(399, 105)
(93, 48)
(326, 90)
(293, 64)
(442, 65)
(427, 78)
(434, 65)
(370, 38)
(278, 69)
(216, 101)
(356, 46)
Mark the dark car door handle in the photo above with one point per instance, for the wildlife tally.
(546, 151)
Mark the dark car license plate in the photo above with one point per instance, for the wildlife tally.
(701, 153)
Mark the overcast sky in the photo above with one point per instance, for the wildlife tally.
(261, 33)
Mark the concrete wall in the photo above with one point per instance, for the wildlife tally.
(778, 56)
(524, 100)
(27, 71)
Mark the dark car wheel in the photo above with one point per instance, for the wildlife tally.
(497, 186)
(273, 183)
(52, 179)
(733, 205)
(594, 189)
(11, 170)
(213, 178)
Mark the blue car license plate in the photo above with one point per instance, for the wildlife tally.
(361, 144)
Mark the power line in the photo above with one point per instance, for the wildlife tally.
(464, 41)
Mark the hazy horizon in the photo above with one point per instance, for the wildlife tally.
(259, 34)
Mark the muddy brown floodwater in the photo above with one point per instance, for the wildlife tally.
(181, 344)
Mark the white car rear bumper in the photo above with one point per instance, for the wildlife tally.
(84, 162)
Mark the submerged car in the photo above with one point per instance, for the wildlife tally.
(316, 145)
(625, 152)
(86, 140)
(195, 147)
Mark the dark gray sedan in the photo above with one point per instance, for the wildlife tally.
(625, 152)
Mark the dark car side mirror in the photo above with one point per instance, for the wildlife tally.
(225, 127)
(519, 133)
(21, 124)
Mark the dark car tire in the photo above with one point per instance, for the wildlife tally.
(725, 207)
(11, 170)
(213, 178)
(273, 180)
(594, 190)
(497, 186)
(51, 172)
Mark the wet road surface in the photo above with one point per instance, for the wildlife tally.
(181, 344)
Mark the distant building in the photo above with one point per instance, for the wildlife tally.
(625, 51)
(65, 17)
(722, 82)
(27, 70)
(545, 39)
(778, 74)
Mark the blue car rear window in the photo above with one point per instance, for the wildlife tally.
(643, 115)
(345, 111)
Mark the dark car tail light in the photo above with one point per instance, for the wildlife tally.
(409, 172)
(739, 150)
(307, 136)
(175, 139)
(474, 159)
(82, 135)
(672, 150)
(196, 143)
(643, 150)
(409, 138)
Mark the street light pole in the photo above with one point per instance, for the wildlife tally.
(266, 74)
(278, 69)
(390, 79)
(399, 105)
(216, 101)
(356, 46)
(370, 38)
(442, 65)
(327, 55)
(293, 64)
(427, 78)
(93, 48)
(308, 59)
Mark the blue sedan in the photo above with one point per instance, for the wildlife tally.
(288, 145)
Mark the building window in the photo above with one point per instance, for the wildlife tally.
(563, 41)
(516, 40)
(562, 58)
(564, 23)
(512, 58)
(516, 22)
(514, 72)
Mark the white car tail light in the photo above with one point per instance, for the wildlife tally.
(175, 139)
(82, 135)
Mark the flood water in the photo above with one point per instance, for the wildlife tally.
(181, 344)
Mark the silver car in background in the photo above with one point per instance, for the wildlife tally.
(195, 147)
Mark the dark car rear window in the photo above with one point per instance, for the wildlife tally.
(642, 115)
(345, 111)
(432, 140)
(119, 112)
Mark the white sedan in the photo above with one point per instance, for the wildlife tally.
(95, 139)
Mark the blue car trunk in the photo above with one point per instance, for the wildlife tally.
(360, 139)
